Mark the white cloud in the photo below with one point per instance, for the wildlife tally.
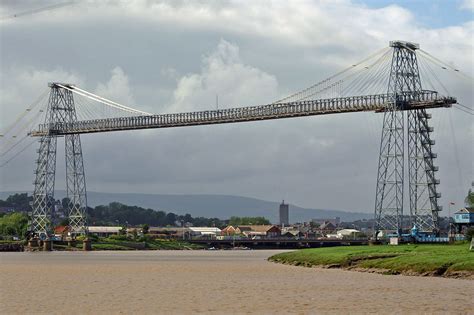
(224, 74)
(20, 86)
(117, 88)
(468, 4)
(351, 27)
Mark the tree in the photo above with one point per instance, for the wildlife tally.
(123, 230)
(14, 224)
(470, 233)
(65, 202)
(469, 199)
(145, 228)
(64, 222)
(19, 202)
(248, 221)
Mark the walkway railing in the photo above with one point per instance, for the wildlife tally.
(377, 103)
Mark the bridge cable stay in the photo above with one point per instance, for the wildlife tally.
(37, 10)
(112, 103)
(90, 109)
(424, 63)
(372, 80)
(445, 65)
(303, 94)
(368, 78)
(24, 113)
(17, 132)
(428, 72)
(18, 153)
(357, 73)
(339, 86)
(102, 100)
(465, 108)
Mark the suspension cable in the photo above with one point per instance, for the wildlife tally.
(103, 100)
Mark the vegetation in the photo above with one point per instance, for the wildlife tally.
(248, 221)
(14, 224)
(469, 199)
(121, 242)
(116, 213)
(19, 202)
(470, 233)
(418, 259)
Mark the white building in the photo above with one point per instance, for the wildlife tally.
(104, 231)
(348, 233)
(204, 231)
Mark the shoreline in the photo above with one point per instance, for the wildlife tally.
(446, 261)
(459, 275)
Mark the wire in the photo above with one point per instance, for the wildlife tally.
(27, 126)
(442, 63)
(13, 146)
(18, 153)
(38, 10)
(456, 153)
(301, 94)
(467, 107)
(463, 110)
(103, 100)
(23, 114)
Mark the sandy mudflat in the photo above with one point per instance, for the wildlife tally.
(211, 282)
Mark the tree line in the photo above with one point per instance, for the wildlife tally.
(113, 214)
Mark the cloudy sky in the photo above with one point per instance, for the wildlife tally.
(161, 56)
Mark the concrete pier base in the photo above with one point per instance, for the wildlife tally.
(47, 245)
(86, 244)
(32, 243)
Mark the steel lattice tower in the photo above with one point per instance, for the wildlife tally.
(61, 111)
(405, 83)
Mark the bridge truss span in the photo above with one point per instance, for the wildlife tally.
(377, 103)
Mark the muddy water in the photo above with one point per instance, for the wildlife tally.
(211, 282)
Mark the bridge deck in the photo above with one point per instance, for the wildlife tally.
(377, 103)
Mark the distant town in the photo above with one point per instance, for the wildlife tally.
(132, 222)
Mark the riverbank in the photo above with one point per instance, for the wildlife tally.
(104, 244)
(129, 244)
(454, 261)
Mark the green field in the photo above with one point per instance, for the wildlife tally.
(405, 259)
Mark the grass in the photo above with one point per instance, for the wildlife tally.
(126, 244)
(10, 242)
(420, 259)
(171, 244)
(158, 244)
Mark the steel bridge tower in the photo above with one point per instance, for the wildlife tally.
(405, 83)
(60, 111)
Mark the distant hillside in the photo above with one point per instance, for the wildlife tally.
(217, 206)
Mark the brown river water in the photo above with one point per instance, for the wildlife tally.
(211, 282)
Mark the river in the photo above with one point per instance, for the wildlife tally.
(211, 282)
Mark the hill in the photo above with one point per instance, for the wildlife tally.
(213, 206)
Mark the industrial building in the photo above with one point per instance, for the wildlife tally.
(284, 214)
